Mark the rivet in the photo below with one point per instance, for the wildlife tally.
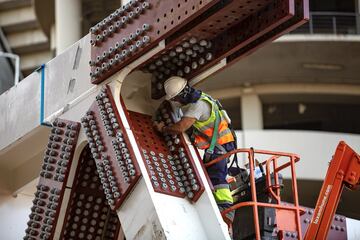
(116, 195)
(138, 11)
(195, 187)
(145, 5)
(146, 39)
(124, 19)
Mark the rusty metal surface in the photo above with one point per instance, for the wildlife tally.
(88, 215)
(301, 16)
(53, 176)
(181, 60)
(228, 27)
(235, 29)
(220, 17)
(166, 157)
(255, 26)
(162, 18)
(337, 229)
(111, 149)
(157, 158)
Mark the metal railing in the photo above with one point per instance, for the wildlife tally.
(331, 23)
(287, 216)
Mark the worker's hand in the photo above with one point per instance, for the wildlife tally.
(159, 126)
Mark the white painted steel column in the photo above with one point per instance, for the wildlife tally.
(251, 112)
(67, 23)
(147, 214)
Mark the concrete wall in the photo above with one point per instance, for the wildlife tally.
(353, 227)
(14, 213)
(315, 148)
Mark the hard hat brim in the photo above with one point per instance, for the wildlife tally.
(169, 97)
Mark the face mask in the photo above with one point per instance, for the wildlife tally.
(175, 103)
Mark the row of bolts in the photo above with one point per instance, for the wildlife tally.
(51, 152)
(118, 53)
(103, 166)
(89, 202)
(37, 209)
(120, 17)
(120, 148)
(182, 52)
(105, 29)
(181, 60)
(180, 164)
(120, 45)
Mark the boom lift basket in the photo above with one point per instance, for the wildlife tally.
(287, 217)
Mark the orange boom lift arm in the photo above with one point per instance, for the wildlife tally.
(344, 170)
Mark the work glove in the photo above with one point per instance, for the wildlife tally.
(159, 126)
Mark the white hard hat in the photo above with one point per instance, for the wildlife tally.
(173, 86)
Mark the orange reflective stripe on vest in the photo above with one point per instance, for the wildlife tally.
(207, 127)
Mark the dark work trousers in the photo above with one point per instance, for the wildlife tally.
(218, 172)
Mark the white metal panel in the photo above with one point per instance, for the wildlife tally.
(206, 206)
(67, 77)
(179, 218)
(138, 217)
(19, 110)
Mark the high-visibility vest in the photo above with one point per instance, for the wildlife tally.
(207, 127)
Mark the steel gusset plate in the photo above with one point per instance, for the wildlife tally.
(219, 18)
(171, 172)
(249, 30)
(88, 215)
(110, 146)
(162, 17)
(301, 16)
(338, 229)
(231, 26)
(52, 180)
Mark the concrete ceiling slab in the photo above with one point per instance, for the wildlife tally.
(294, 62)
(27, 148)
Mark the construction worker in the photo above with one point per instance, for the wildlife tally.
(203, 114)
